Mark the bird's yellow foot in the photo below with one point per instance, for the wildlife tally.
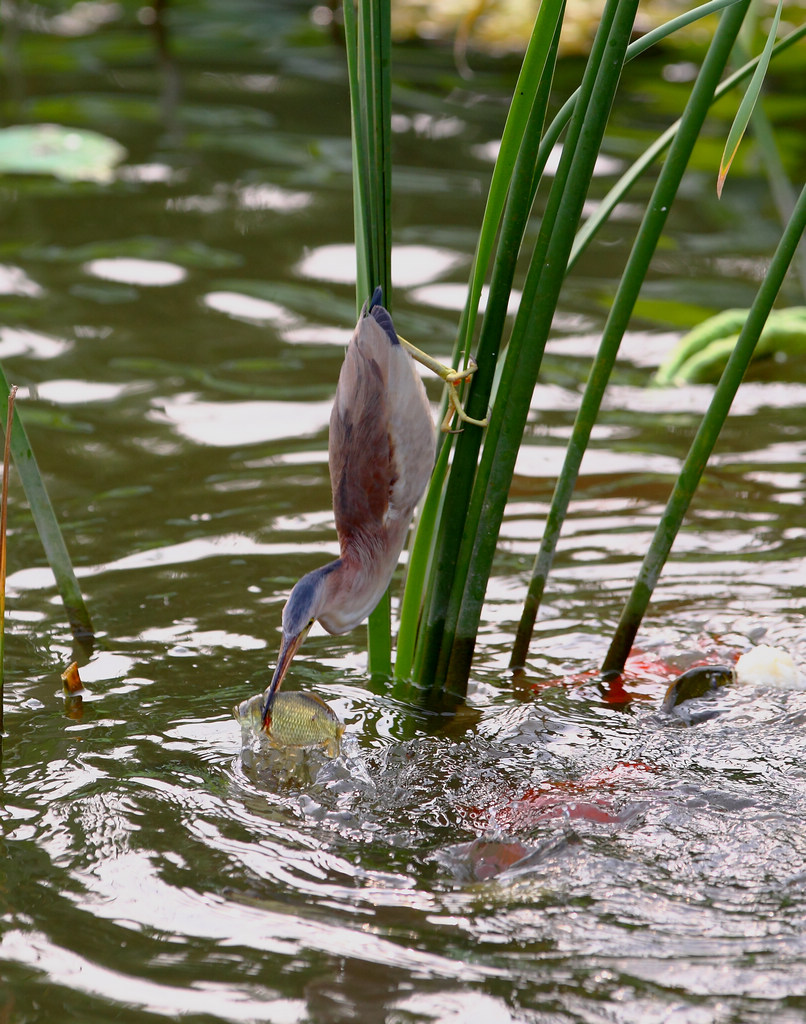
(453, 378)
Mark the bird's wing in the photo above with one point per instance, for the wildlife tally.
(362, 471)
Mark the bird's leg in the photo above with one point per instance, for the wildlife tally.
(452, 379)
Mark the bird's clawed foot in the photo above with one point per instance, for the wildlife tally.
(453, 378)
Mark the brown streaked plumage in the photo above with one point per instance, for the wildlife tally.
(381, 453)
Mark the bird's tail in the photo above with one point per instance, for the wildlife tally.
(380, 315)
(376, 300)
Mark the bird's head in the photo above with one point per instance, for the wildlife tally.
(305, 604)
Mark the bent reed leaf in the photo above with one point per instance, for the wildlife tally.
(745, 111)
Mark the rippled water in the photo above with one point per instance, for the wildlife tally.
(554, 853)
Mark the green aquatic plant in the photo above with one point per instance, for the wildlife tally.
(367, 28)
(456, 539)
(3, 535)
(48, 528)
(749, 100)
(646, 241)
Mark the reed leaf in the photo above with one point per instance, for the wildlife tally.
(749, 100)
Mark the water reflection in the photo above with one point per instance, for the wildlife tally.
(225, 424)
(252, 310)
(16, 341)
(454, 296)
(14, 281)
(149, 273)
(411, 264)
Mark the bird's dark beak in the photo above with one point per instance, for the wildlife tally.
(289, 648)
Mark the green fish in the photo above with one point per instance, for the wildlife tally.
(297, 720)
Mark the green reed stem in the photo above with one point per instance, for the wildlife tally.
(48, 528)
(704, 442)
(368, 37)
(528, 98)
(525, 350)
(563, 115)
(3, 551)
(513, 224)
(490, 340)
(418, 570)
(632, 279)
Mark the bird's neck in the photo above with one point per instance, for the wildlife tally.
(358, 581)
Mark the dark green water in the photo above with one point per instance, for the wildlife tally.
(176, 335)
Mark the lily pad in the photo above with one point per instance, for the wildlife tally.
(71, 154)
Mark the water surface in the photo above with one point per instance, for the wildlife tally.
(553, 854)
